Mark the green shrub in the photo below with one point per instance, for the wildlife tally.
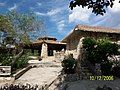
(21, 62)
(69, 65)
(5, 59)
(106, 68)
(99, 50)
(116, 71)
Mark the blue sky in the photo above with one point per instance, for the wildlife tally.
(59, 20)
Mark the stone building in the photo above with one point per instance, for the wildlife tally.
(46, 46)
(80, 31)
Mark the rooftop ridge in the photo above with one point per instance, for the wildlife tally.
(89, 28)
(97, 29)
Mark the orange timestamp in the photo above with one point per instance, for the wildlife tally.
(105, 78)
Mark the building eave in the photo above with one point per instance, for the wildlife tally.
(96, 29)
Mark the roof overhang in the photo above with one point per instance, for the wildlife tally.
(91, 29)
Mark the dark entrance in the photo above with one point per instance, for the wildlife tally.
(50, 52)
(57, 47)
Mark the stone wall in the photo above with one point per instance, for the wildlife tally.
(74, 52)
(74, 38)
(59, 56)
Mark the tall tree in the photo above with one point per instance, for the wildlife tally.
(6, 28)
(23, 24)
(5, 24)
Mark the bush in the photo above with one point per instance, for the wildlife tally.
(6, 59)
(69, 65)
(21, 62)
(116, 71)
(99, 50)
(106, 68)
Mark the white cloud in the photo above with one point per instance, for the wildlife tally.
(61, 26)
(49, 13)
(60, 22)
(2, 4)
(41, 14)
(39, 4)
(13, 8)
(110, 19)
(56, 16)
(54, 12)
(116, 6)
(79, 14)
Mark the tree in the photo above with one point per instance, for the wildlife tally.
(23, 24)
(15, 27)
(5, 24)
(99, 50)
(6, 28)
(97, 6)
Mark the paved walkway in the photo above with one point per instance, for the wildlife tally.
(46, 71)
(39, 75)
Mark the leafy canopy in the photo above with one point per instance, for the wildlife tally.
(97, 6)
(23, 24)
(18, 26)
(99, 50)
(5, 25)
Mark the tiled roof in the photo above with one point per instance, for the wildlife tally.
(93, 29)
(47, 41)
(97, 29)
(47, 37)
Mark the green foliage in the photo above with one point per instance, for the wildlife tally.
(89, 43)
(116, 71)
(21, 62)
(99, 50)
(98, 7)
(18, 26)
(6, 59)
(6, 25)
(69, 65)
(106, 68)
(23, 24)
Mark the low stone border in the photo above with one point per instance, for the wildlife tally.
(21, 72)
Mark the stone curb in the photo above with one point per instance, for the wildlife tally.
(21, 72)
(48, 84)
